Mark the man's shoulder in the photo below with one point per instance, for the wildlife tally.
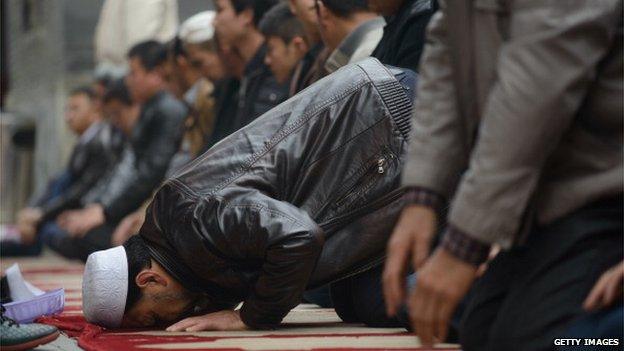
(170, 107)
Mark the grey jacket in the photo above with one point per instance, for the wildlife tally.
(519, 112)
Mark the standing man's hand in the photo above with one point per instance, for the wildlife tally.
(607, 289)
(442, 283)
(226, 320)
(78, 222)
(411, 238)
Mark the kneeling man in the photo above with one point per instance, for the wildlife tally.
(306, 195)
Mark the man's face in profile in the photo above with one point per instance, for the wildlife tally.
(159, 310)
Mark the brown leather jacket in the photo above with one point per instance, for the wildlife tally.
(305, 195)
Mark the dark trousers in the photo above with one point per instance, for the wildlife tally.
(359, 299)
(98, 238)
(530, 294)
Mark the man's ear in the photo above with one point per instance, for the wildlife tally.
(247, 15)
(147, 276)
(300, 45)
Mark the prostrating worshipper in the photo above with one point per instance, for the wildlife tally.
(302, 197)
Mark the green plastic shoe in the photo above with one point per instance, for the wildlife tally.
(15, 336)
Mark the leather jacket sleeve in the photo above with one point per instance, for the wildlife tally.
(133, 182)
(284, 239)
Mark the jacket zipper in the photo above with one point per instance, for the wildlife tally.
(376, 169)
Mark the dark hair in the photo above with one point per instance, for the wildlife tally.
(259, 7)
(345, 8)
(175, 48)
(84, 90)
(118, 90)
(139, 259)
(151, 54)
(280, 22)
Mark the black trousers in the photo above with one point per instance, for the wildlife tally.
(530, 294)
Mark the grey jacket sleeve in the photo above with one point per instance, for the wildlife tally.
(543, 73)
(284, 239)
(437, 153)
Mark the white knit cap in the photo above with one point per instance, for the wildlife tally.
(198, 28)
(105, 287)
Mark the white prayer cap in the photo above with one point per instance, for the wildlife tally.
(198, 28)
(105, 287)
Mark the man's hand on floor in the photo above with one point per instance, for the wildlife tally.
(226, 320)
(78, 222)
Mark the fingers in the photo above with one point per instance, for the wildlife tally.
(595, 297)
(421, 250)
(182, 325)
(394, 271)
(201, 326)
(444, 314)
(422, 310)
(613, 288)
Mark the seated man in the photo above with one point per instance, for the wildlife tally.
(97, 149)
(302, 197)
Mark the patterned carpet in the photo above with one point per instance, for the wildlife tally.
(306, 328)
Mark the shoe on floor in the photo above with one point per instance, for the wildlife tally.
(15, 336)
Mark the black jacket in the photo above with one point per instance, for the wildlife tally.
(404, 34)
(90, 159)
(305, 195)
(259, 91)
(154, 140)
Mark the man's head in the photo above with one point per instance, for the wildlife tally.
(305, 11)
(285, 41)
(124, 287)
(337, 18)
(199, 43)
(155, 298)
(237, 19)
(81, 110)
(386, 7)
(180, 73)
(147, 71)
(119, 108)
